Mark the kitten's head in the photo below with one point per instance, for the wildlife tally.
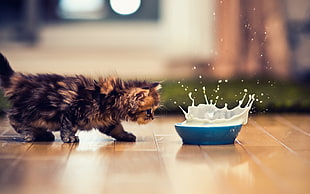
(143, 101)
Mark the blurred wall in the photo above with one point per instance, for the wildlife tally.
(186, 36)
(185, 29)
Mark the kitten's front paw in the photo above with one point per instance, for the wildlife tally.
(128, 137)
(71, 139)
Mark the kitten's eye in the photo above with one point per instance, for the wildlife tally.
(149, 114)
(149, 111)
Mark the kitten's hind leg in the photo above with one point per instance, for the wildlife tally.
(118, 132)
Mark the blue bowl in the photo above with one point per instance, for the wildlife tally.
(206, 135)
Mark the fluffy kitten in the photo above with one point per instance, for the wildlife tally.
(42, 103)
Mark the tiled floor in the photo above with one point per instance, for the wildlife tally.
(271, 155)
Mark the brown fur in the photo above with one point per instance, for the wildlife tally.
(43, 103)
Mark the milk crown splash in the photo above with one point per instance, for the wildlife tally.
(209, 114)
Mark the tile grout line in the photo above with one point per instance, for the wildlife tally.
(291, 125)
(256, 125)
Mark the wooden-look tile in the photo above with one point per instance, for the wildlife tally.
(48, 150)
(86, 170)
(286, 169)
(285, 134)
(165, 125)
(189, 171)
(299, 122)
(13, 149)
(271, 155)
(145, 139)
(136, 172)
(234, 167)
(251, 136)
(36, 176)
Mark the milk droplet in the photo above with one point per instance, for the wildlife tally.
(220, 81)
(200, 76)
(245, 90)
(192, 99)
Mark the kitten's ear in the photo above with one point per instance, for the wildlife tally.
(155, 86)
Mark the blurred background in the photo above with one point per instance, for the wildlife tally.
(160, 39)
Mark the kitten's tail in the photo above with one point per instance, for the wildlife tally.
(5, 71)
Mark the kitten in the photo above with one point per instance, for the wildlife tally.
(42, 103)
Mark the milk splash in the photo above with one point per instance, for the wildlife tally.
(210, 115)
